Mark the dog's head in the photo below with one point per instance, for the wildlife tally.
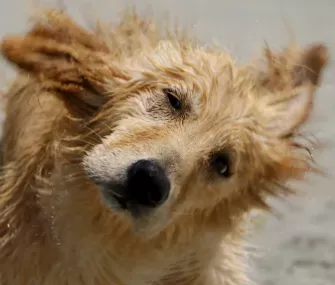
(184, 129)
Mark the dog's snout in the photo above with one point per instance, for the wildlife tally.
(147, 183)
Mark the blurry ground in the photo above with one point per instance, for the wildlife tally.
(297, 246)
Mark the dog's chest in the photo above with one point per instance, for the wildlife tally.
(175, 265)
(156, 268)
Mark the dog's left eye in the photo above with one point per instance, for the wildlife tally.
(221, 164)
(173, 99)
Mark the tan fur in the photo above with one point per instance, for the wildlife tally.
(93, 102)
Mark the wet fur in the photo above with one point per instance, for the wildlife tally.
(64, 110)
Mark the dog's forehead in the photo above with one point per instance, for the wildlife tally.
(215, 85)
(221, 90)
(225, 109)
(188, 59)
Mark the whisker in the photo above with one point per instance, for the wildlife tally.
(108, 127)
(97, 134)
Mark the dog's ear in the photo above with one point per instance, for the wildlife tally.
(66, 59)
(290, 81)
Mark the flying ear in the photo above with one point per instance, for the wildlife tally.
(290, 82)
(66, 59)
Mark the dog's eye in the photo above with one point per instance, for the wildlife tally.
(220, 164)
(173, 99)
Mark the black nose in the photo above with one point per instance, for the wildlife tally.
(147, 183)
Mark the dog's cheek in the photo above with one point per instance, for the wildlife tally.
(200, 191)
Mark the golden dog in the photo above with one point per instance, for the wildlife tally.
(133, 157)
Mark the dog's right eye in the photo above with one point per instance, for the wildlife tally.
(173, 99)
(221, 165)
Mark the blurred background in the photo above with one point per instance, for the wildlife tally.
(295, 245)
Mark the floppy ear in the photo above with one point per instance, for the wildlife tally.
(290, 81)
(66, 59)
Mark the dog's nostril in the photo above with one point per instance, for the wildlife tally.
(147, 183)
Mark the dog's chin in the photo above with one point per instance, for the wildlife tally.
(151, 225)
(144, 221)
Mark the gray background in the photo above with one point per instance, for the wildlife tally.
(297, 245)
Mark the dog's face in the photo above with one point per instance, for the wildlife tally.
(194, 131)
(185, 129)
(179, 140)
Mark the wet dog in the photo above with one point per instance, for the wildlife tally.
(133, 157)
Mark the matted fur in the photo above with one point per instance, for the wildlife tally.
(82, 96)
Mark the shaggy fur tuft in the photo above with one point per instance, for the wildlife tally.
(87, 104)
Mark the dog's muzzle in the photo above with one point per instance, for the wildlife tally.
(146, 185)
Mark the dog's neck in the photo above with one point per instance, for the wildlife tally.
(106, 239)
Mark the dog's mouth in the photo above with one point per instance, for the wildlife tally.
(144, 187)
(117, 197)
(122, 201)
(139, 195)
(115, 194)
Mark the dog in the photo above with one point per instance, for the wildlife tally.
(131, 156)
